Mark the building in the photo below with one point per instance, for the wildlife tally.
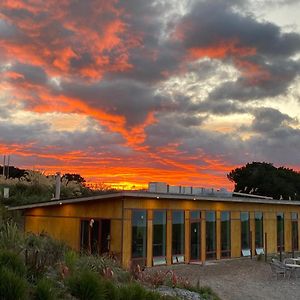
(154, 228)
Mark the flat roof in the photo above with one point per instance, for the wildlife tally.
(151, 195)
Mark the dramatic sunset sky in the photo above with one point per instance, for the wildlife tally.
(132, 91)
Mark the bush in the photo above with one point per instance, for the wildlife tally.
(41, 253)
(10, 237)
(134, 291)
(13, 262)
(112, 291)
(12, 286)
(86, 285)
(45, 290)
(101, 265)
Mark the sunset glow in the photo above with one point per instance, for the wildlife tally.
(129, 92)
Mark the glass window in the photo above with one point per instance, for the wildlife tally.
(225, 234)
(139, 233)
(295, 240)
(280, 231)
(210, 234)
(259, 230)
(159, 233)
(177, 232)
(245, 231)
(84, 236)
(195, 217)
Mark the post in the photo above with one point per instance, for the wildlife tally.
(266, 247)
(250, 241)
(3, 170)
(280, 247)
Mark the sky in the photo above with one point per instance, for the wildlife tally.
(129, 92)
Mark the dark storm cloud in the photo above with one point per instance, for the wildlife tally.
(29, 74)
(276, 77)
(212, 22)
(15, 133)
(280, 145)
(269, 119)
(157, 56)
(127, 98)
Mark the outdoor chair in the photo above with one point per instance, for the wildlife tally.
(291, 270)
(278, 268)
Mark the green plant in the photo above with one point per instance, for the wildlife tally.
(11, 237)
(102, 265)
(41, 253)
(12, 286)
(134, 291)
(205, 292)
(86, 285)
(70, 259)
(45, 290)
(112, 291)
(13, 262)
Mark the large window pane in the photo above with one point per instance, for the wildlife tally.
(159, 233)
(280, 231)
(139, 233)
(259, 231)
(210, 234)
(225, 234)
(85, 236)
(245, 231)
(295, 240)
(177, 232)
(195, 217)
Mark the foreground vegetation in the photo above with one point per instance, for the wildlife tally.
(33, 186)
(38, 267)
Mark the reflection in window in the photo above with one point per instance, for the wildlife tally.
(280, 231)
(259, 230)
(210, 234)
(177, 232)
(295, 240)
(225, 234)
(139, 233)
(159, 233)
(245, 231)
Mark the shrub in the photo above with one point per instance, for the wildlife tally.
(86, 285)
(103, 266)
(45, 290)
(112, 291)
(41, 253)
(13, 262)
(12, 286)
(134, 291)
(10, 237)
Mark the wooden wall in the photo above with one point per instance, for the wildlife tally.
(63, 222)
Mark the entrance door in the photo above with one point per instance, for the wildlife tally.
(95, 236)
(195, 241)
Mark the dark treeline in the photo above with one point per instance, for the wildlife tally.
(265, 179)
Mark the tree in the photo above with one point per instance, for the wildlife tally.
(264, 179)
(74, 177)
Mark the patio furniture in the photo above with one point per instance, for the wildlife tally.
(291, 266)
(278, 268)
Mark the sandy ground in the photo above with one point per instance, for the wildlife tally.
(239, 279)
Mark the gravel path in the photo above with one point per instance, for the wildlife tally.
(238, 279)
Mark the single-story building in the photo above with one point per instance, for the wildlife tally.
(154, 228)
